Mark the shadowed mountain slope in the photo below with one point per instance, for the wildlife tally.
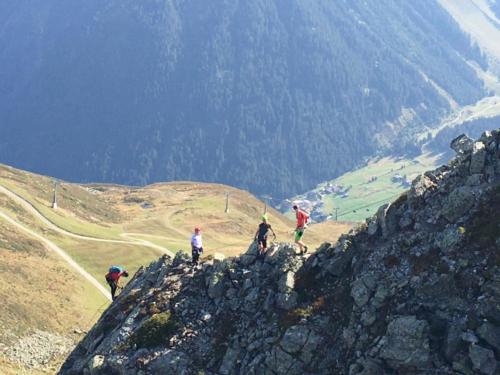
(239, 92)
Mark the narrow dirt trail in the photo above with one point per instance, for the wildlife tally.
(34, 211)
(52, 246)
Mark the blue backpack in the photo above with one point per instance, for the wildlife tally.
(114, 269)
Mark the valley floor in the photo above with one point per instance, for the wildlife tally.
(358, 194)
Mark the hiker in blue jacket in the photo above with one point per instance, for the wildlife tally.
(113, 278)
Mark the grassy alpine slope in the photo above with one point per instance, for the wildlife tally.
(41, 292)
(163, 214)
(366, 197)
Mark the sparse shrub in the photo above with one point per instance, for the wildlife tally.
(130, 298)
(153, 309)
(442, 267)
(392, 261)
(306, 285)
(361, 227)
(319, 304)
(133, 199)
(155, 330)
(425, 262)
(225, 327)
(293, 317)
(400, 200)
(107, 325)
(485, 227)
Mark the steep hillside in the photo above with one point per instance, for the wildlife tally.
(53, 261)
(480, 19)
(495, 6)
(45, 304)
(162, 214)
(378, 180)
(266, 95)
(416, 291)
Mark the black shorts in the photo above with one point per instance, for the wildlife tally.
(262, 241)
(196, 250)
(112, 283)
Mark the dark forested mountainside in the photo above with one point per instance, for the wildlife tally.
(230, 91)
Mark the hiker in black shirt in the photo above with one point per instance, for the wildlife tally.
(261, 235)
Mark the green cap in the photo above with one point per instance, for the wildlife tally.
(264, 217)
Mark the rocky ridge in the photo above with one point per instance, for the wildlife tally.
(414, 291)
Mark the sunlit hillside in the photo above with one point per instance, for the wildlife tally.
(96, 226)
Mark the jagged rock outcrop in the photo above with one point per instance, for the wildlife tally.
(415, 291)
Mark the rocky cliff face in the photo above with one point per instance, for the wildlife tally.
(415, 291)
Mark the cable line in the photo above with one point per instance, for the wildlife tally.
(368, 205)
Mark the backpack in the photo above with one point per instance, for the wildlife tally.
(114, 269)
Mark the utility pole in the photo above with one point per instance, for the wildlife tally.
(266, 199)
(227, 203)
(336, 213)
(54, 198)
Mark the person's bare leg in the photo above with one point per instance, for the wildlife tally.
(304, 247)
(301, 245)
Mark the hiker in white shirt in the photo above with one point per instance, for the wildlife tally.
(196, 246)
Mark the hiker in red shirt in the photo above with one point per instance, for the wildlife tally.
(113, 278)
(302, 218)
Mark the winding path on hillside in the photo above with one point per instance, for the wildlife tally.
(34, 211)
(52, 246)
(28, 206)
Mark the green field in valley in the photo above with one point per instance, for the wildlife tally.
(371, 186)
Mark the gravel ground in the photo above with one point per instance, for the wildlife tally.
(38, 349)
